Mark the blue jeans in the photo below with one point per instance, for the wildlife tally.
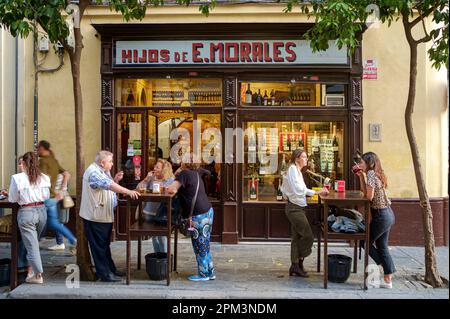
(159, 242)
(59, 238)
(200, 242)
(53, 221)
(382, 220)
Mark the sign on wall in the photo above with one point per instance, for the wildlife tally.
(223, 53)
(370, 70)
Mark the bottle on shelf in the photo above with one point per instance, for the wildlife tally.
(301, 144)
(272, 97)
(335, 168)
(252, 141)
(259, 98)
(248, 95)
(266, 98)
(255, 98)
(279, 192)
(283, 168)
(253, 194)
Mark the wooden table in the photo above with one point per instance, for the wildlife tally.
(141, 229)
(13, 239)
(347, 199)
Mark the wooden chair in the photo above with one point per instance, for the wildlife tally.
(12, 238)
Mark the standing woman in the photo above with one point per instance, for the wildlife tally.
(294, 188)
(50, 166)
(188, 182)
(30, 189)
(383, 217)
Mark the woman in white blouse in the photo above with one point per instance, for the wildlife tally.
(295, 190)
(30, 189)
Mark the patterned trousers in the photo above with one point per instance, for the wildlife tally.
(200, 242)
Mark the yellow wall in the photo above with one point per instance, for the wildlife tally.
(384, 99)
(384, 102)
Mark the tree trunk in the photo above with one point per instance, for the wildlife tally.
(432, 276)
(83, 256)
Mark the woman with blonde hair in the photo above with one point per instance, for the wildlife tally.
(294, 188)
(162, 173)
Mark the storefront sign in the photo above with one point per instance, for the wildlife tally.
(223, 53)
(370, 71)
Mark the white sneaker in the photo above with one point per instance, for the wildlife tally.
(386, 285)
(374, 284)
(29, 275)
(34, 280)
(57, 247)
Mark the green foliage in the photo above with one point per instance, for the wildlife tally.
(343, 20)
(18, 16)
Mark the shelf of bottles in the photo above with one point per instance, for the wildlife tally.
(168, 92)
(292, 94)
(268, 147)
(279, 94)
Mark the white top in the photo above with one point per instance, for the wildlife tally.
(22, 192)
(294, 187)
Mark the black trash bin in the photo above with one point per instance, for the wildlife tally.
(339, 267)
(5, 271)
(156, 265)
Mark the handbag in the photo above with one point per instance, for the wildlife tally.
(185, 223)
(68, 201)
(63, 213)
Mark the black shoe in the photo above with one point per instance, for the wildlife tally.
(119, 273)
(111, 278)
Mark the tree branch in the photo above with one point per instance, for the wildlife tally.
(421, 15)
(409, 25)
(424, 39)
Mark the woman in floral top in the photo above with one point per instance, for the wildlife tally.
(374, 188)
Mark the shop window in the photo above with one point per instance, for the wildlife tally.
(130, 148)
(292, 93)
(268, 147)
(168, 92)
(144, 136)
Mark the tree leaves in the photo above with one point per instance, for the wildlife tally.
(343, 20)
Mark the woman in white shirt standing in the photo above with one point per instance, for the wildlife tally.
(30, 189)
(295, 190)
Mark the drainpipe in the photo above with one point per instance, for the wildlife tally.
(37, 70)
(16, 106)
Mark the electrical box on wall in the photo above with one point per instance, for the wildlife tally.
(43, 44)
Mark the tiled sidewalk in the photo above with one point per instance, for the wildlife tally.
(246, 270)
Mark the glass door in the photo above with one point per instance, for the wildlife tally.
(131, 148)
(211, 151)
